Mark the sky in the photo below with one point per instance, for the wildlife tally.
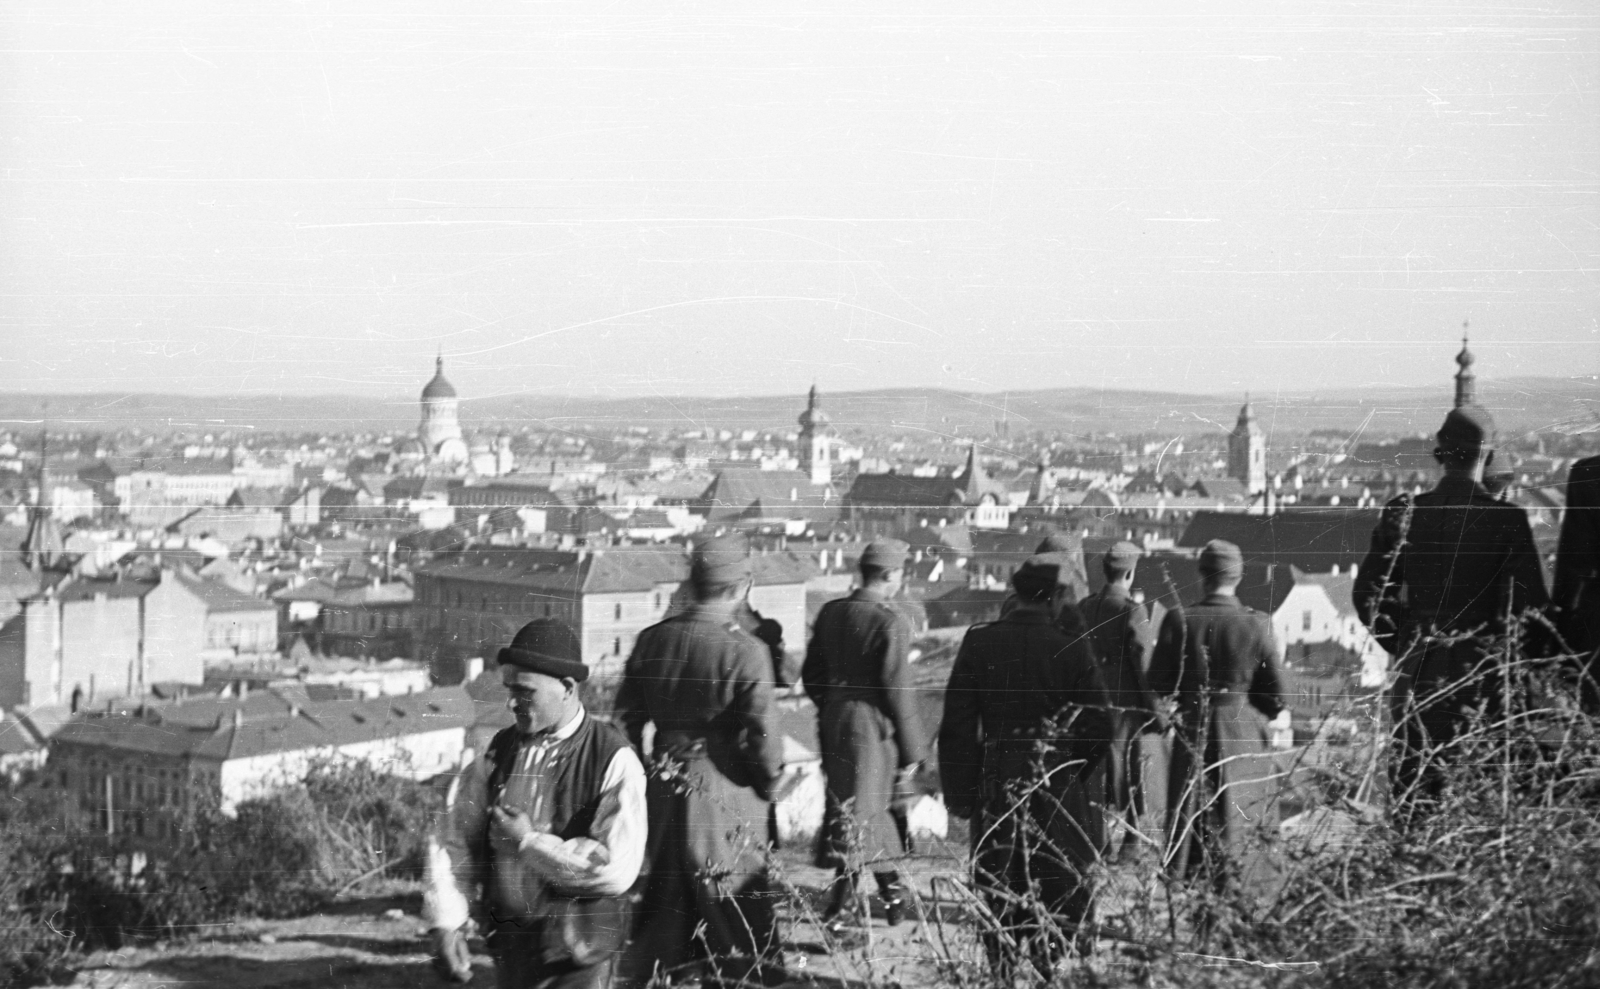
(728, 198)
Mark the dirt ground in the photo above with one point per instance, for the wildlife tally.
(378, 941)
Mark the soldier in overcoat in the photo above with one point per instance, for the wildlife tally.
(715, 766)
(1222, 661)
(1123, 641)
(870, 730)
(1443, 572)
(1026, 718)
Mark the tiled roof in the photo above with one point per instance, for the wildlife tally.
(906, 491)
(315, 589)
(611, 570)
(1315, 540)
(749, 493)
(219, 597)
(88, 590)
(268, 723)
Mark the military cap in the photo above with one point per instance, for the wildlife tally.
(1466, 430)
(546, 646)
(1122, 556)
(1057, 542)
(1042, 573)
(720, 560)
(885, 554)
(1221, 558)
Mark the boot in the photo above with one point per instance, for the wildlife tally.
(896, 902)
(843, 903)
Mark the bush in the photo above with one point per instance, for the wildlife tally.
(67, 889)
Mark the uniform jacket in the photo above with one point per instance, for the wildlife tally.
(858, 652)
(707, 686)
(1220, 657)
(1123, 641)
(1017, 684)
(1451, 560)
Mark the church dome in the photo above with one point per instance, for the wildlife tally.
(439, 387)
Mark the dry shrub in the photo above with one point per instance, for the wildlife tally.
(67, 889)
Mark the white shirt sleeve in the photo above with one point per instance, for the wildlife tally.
(608, 861)
(443, 903)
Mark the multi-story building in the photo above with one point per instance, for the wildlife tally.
(141, 772)
(86, 639)
(472, 603)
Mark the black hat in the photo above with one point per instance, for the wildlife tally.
(717, 561)
(1043, 573)
(546, 646)
(1466, 430)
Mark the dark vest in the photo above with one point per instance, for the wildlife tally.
(584, 929)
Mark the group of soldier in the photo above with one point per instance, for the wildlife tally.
(1073, 730)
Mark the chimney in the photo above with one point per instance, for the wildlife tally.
(238, 718)
(474, 668)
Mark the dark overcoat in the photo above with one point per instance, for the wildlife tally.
(1443, 571)
(1221, 660)
(1123, 641)
(858, 674)
(706, 686)
(1026, 716)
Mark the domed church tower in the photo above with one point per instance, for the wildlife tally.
(440, 431)
(815, 441)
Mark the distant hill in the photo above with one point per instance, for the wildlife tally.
(1519, 405)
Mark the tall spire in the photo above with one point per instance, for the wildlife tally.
(1466, 381)
(42, 547)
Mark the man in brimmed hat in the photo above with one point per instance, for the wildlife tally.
(716, 765)
(1120, 632)
(550, 822)
(1026, 718)
(857, 672)
(1444, 570)
(1222, 660)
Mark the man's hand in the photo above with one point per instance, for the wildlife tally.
(509, 827)
(451, 959)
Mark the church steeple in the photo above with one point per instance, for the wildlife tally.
(815, 453)
(1247, 451)
(1466, 381)
(42, 548)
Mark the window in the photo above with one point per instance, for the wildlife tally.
(1305, 621)
(616, 647)
(616, 612)
(658, 600)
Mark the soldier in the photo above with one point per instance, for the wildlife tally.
(1221, 659)
(1444, 570)
(1120, 632)
(857, 673)
(1577, 590)
(550, 821)
(1076, 581)
(706, 686)
(1025, 719)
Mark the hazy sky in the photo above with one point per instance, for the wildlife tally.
(732, 197)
